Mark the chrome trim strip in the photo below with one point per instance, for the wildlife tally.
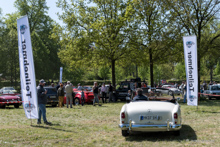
(168, 127)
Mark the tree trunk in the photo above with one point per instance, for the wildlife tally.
(113, 73)
(151, 68)
(136, 71)
(211, 73)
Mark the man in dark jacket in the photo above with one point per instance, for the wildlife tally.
(140, 96)
(42, 101)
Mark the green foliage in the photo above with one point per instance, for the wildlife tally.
(143, 72)
(45, 46)
(9, 66)
(217, 69)
(95, 34)
(104, 72)
(179, 71)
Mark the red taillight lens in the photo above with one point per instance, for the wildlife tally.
(122, 115)
(175, 115)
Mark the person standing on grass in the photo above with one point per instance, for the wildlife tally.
(60, 93)
(182, 88)
(95, 90)
(185, 93)
(69, 91)
(110, 90)
(82, 97)
(103, 91)
(42, 101)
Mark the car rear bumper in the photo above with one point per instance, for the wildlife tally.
(52, 101)
(150, 128)
(11, 103)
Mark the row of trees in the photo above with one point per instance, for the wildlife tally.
(45, 47)
(114, 39)
(121, 32)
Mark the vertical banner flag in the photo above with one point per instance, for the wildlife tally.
(27, 73)
(61, 72)
(190, 54)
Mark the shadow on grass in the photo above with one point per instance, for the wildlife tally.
(11, 108)
(51, 128)
(209, 112)
(186, 132)
(209, 103)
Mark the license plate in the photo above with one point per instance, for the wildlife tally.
(52, 96)
(150, 117)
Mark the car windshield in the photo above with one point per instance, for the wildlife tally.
(7, 92)
(9, 88)
(124, 85)
(215, 87)
(51, 91)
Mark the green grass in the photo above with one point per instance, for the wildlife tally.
(98, 126)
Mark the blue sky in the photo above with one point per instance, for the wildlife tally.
(7, 7)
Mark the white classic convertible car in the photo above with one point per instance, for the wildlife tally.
(153, 115)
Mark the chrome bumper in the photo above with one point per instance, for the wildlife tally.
(150, 128)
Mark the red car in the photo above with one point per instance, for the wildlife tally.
(77, 99)
(10, 100)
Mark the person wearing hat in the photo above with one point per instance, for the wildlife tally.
(42, 101)
(69, 91)
(79, 86)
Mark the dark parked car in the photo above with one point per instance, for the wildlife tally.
(52, 97)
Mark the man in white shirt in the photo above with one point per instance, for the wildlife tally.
(103, 91)
(69, 91)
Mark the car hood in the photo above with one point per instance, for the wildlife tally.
(8, 97)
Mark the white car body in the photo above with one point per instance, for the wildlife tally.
(150, 116)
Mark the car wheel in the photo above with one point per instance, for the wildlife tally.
(54, 105)
(3, 106)
(170, 93)
(124, 133)
(177, 133)
(16, 105)
(210, 98)
(76, 101)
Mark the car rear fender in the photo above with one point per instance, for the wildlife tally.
(177, 110)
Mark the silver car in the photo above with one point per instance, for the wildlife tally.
(168, 89)
(213, 91)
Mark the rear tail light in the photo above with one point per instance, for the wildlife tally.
(175, 116)
(122, 115)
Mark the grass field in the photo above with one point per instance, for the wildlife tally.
(98, 126)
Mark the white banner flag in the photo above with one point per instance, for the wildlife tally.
(190, 54)
(61, 72)
(27, 73)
